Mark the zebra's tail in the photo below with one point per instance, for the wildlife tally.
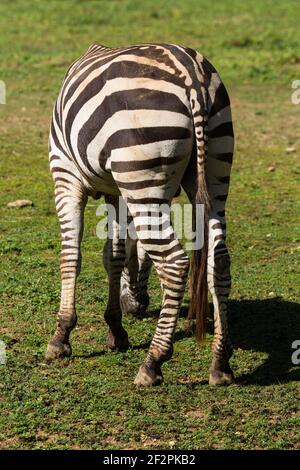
(198, 287)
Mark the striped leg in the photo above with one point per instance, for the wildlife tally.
(157, 237)
(134, 279)
(70, 203)
(219, 283)
(218, 268)
(114, 257)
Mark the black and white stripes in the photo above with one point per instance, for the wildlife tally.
(139, 122)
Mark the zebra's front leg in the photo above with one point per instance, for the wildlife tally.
(70, 203)
(219, 283)
(172, 265)
(113, 260)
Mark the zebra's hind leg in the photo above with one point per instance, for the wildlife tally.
(113, 260)
(156, 234)
(134, 279)
(219, 283)
(70, 202)
(219, 161)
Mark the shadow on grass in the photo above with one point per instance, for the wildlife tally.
(91, 354)
(269, 326)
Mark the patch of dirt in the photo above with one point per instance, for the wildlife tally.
(198, 414)
(10, 443)
(148, 442)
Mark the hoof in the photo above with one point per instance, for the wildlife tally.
(57, 349)
(136, 309)
(217, 377)
(147, 377)
(117, 343)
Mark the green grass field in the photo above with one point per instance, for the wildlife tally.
(89, 401)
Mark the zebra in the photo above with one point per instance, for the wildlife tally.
(140, 122)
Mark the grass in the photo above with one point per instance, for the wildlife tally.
(90, 401)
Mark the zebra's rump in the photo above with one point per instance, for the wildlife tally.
(124, 115)
(126, 110)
